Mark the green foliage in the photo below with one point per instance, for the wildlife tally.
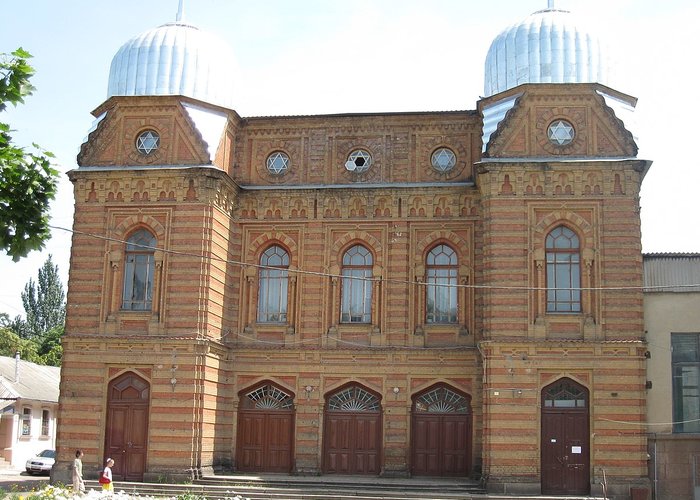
(50, 350)
(44, 302)
(27, 180)
(10, 343)
(38, 339)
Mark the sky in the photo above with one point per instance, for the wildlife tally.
(343, 56)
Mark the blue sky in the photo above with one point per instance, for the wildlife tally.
(330, 56)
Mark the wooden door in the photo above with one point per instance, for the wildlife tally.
(565, 447)
(126, 433)
(265, 430)
(441, 433)
(352, 432)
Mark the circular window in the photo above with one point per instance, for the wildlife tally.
(358, 161)
(148, 142)
(277, 163)
(443, 160)
(561, 133)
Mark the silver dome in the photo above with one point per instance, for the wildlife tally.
(174, 59)
(549, 46)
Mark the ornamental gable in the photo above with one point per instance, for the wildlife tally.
(146, 131)
(561, 121)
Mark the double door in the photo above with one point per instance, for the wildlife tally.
(126, 434)
(352, 443)
(440, 444)
(565, 452)
(265, 441)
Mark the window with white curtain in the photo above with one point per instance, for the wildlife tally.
(441, 285)
(356, 301)
(273, 281)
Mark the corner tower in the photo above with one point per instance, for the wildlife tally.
(563, 347)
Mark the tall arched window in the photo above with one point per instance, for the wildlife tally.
(441, 289)
(563, 255)
(356, 301)
(138, 271)
(273, 280)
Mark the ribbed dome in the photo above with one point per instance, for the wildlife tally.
(549, 46)
(174, 59)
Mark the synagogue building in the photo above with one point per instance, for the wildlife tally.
(448, 293)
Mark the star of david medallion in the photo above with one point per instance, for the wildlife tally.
(147, 142)
(560, 133)
(277, 163)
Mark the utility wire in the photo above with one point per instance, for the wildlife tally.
(372, 279)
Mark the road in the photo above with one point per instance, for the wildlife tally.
(19, 480)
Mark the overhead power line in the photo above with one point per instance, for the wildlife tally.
(242, 264)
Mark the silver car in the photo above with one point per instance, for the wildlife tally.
(42, 462)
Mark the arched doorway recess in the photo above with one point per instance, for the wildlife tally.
(352, 431)
(441, 432)
(565, 446)
(126, 434)
(265, 435)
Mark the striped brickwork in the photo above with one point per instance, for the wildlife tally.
(201, 347)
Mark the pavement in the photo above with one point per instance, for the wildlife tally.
(19, 480)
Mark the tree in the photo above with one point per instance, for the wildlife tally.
(27, 180)
(10, 343)
(44, 302)
(50, 350)
(38, 338)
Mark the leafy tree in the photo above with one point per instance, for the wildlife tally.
(50, 350)
(17, 325)
(27, 180)
(38, 339)
(10, 343)
(44, 302)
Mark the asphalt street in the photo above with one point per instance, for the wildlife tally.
(20, 480)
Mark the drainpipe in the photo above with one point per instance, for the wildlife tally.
(655, 465)
(16, 367)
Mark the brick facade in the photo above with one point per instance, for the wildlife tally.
(200, 346)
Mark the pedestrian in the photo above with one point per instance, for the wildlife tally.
(78, 484)
(107, 485)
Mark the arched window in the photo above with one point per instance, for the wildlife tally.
(354, 398)
(268, 397)
(441, 399)
(441, 289)
(273, 280)
(565, 393)
(563, 271)
(138, 271)
(356, 301)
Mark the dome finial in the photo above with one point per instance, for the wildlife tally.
(550, 5)
(181, 11)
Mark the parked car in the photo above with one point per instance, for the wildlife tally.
(42, 462)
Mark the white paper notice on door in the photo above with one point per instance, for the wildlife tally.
(575, 450)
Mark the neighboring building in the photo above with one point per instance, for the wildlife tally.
(672, 325)
(418, 293)
(29, 401)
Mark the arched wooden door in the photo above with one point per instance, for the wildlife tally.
(352, 432)
(441, 433)
(265, 435)
(565, 448)
(126, 434)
